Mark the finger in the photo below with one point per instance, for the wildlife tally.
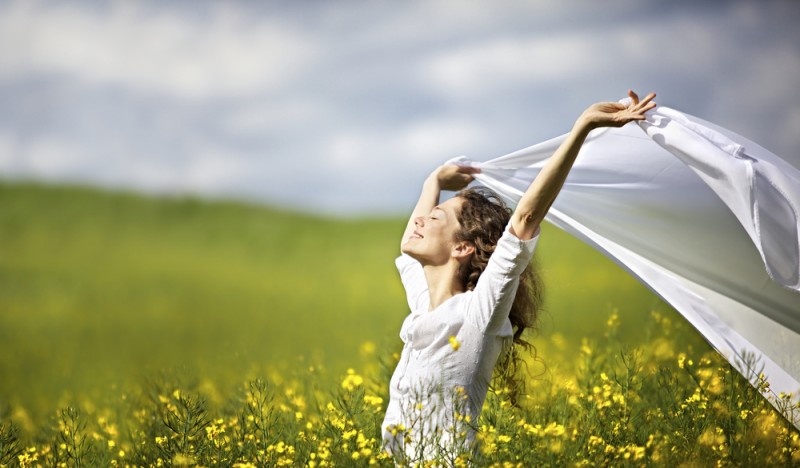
(469, 170)
(647, 99)
(640, 114)
(633, 96)
(644, 108)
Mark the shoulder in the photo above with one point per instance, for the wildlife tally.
(509, 243)
(404, 262)
(511, 254)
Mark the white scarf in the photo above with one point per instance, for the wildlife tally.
(704, 217)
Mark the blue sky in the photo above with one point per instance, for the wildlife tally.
(343, 107)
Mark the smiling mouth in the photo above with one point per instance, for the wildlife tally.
(416, 235)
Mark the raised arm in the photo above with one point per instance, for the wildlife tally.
(542, 192)
(447, 177)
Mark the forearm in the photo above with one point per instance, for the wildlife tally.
(540, 195)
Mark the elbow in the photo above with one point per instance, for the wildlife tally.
(528, 218)
(525, 225)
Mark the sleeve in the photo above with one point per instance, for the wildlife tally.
(494, 294)
(414, 282)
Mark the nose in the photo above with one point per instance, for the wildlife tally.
(419, 221)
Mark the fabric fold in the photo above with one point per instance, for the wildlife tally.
(704, 217)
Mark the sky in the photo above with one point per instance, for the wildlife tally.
(343, 108)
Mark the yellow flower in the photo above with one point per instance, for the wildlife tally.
(585, 348)
(712, 436)
(395, 428)
(28, 459)
(534, 430)
(555, 429)
(612, 320)
(352, 380)
(373, 400)
(454, 343)
(555, 446)
(681, 360)
(367, 348)
(595, 441)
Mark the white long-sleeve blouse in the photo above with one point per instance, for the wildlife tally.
(449, 352)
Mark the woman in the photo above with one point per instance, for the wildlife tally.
(461, 264)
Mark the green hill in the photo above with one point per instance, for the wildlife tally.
(100, 288)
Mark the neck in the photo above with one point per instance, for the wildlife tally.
(443, 282)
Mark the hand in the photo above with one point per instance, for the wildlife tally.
(452, 177)
(614, 114)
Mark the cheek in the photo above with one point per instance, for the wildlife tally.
(445, 236)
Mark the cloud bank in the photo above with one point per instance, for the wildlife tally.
(343, 107)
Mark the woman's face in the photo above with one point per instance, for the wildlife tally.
(433, 239)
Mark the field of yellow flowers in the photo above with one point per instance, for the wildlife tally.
(140, 332)
(603, 405)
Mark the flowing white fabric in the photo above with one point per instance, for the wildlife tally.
(704, 217)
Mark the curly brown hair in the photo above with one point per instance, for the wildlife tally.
(483, 218)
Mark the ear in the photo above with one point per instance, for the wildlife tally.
(462, 250)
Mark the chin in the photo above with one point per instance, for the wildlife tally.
(408, 249)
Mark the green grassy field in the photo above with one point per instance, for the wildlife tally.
(100, 287)
(101, 294)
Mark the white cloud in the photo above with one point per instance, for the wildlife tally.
(162, 50)
(254, 116)
(509, 61)
(424, 142)
(214, 171)
(544, 57)
(432, 139)
(51, 158)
